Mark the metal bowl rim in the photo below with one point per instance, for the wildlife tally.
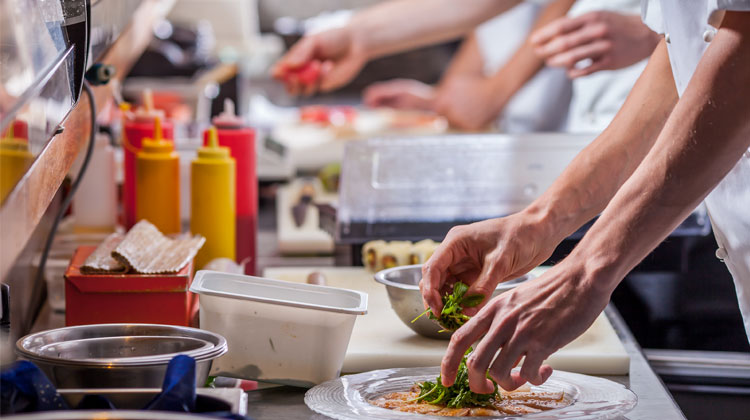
(219, 348)
(381, 277)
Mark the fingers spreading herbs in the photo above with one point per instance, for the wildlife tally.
(452, 317)
(457, 395)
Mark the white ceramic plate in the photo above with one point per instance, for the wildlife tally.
(346, 398)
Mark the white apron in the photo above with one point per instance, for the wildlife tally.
(542, 103)
(687, 27)
(598, 96)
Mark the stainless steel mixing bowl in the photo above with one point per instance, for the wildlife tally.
(108, 415)
(402, 284)
(118, 355)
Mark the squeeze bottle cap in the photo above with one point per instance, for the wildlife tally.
(157, 144)
(11, 142)
(147, 112)
(213, 150)
(228, 118)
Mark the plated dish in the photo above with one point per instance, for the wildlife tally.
(354, 397)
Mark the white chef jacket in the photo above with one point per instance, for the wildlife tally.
(598, 96)
(689, 27)
(542, 103)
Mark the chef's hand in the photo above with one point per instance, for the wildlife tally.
(486, 253)
(609, 40)
(401, 94)
(533, 321)
(335, 55)
(469, 102)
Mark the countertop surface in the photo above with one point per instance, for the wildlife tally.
(654, 401)
(283, 402)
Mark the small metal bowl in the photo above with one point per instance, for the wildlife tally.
(118, 355)
(402, 284)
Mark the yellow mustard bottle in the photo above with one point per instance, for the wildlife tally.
(15, 159)
(157, 176)
(212, 201)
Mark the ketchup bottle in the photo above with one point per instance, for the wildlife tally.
(137, 126)
(240, 139)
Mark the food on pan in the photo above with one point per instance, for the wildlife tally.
(452, 317)
(328, 115)
(422, 251)
(377, 255)
(371, 252)
(396, 254)
(306, 74)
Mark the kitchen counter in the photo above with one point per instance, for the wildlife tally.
(283, 402)
(654, 401)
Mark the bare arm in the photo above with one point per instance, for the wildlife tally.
(703, 138)
(386, 28)
(471, 100)
(413, 94)
(401, 25)
(592, 179)
(486, 253)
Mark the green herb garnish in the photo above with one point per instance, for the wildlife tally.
(451, 317)
(458, 395)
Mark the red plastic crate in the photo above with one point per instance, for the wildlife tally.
(127, 298)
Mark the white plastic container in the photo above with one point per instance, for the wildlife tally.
(280, 332)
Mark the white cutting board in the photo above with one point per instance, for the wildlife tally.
(308, 238)
(380, 340)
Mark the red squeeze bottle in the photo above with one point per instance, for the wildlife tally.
(137, 126)
(240, 140)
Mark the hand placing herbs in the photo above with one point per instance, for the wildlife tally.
(457, 395)
(452, 317)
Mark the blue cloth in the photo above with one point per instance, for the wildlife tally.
(178, 388)
(24, 389)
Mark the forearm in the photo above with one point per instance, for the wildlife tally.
(703, 139)
(587, 185)
(400, 25)
(467, 61)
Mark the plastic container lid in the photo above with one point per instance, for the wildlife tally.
(277, 292)
(213, 150)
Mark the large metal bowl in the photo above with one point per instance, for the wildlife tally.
(118, 355)
(108, 415)
(402, 284)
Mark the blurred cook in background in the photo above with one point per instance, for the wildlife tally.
(604, 46)
(494, 78)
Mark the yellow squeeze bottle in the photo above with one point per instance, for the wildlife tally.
(212, 201)
(15, 159)
(157, 177)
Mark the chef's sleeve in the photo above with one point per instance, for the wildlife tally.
(716, 9)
